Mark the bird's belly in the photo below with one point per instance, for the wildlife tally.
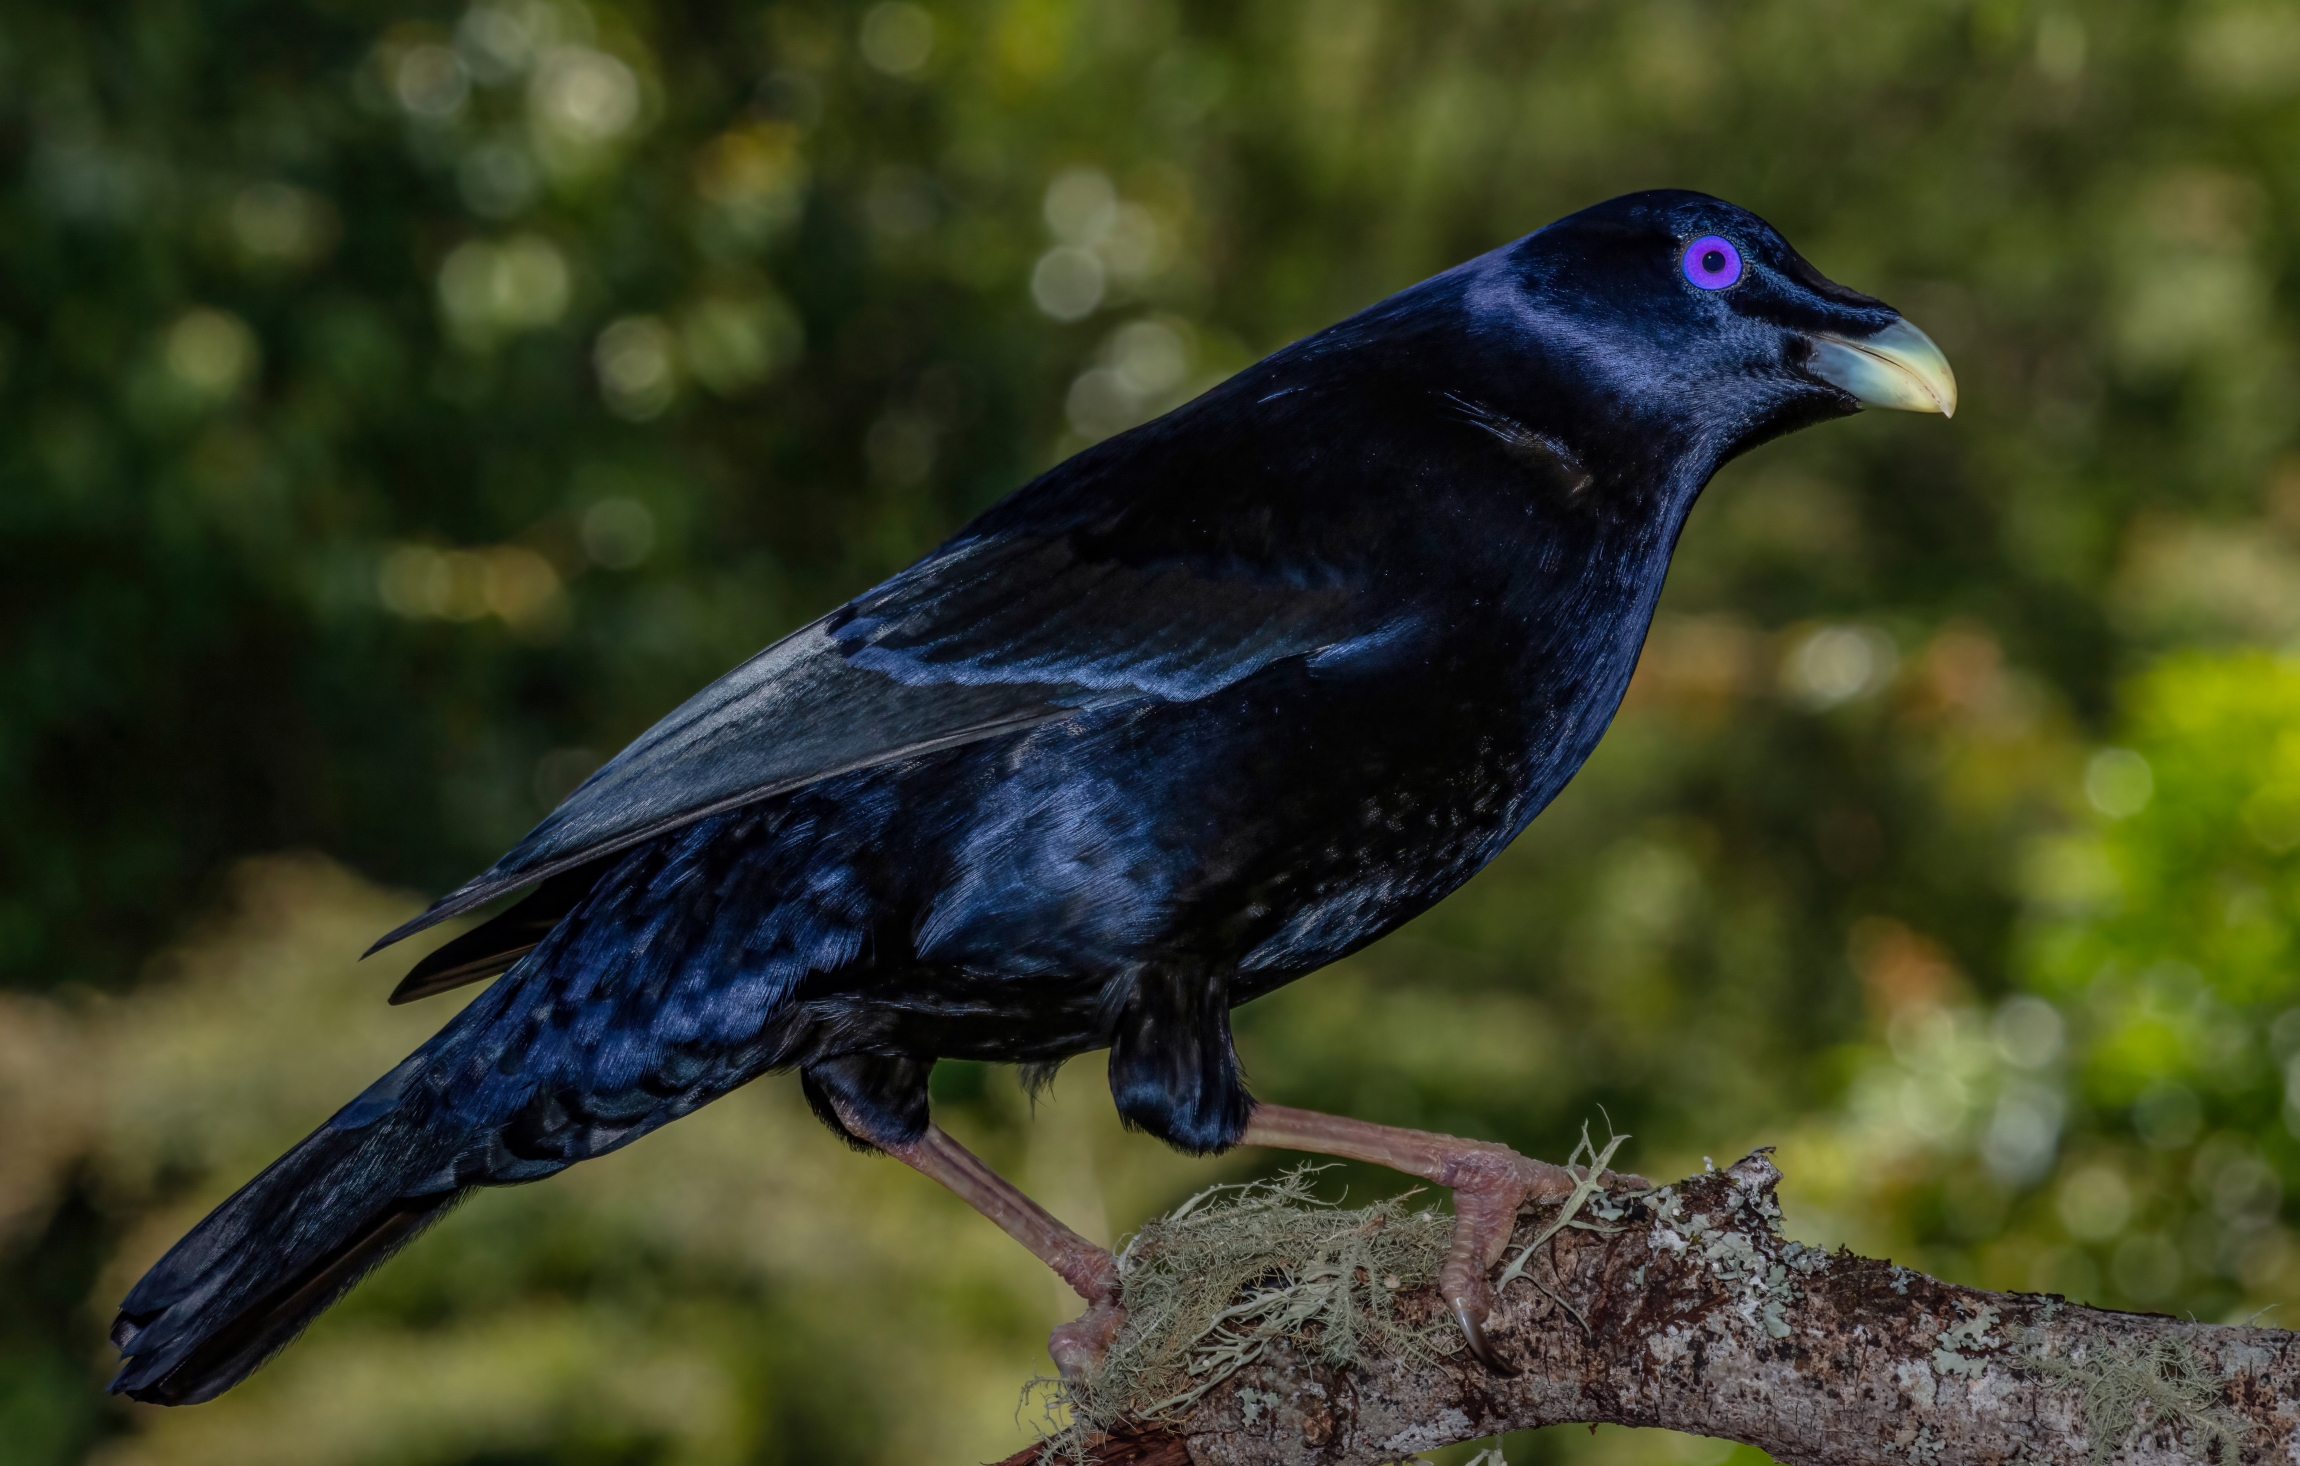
(1253, 842)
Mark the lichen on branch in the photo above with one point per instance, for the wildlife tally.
(1237, 1269)
(1274, 1329)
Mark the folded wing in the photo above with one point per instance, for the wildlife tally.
(992, 634)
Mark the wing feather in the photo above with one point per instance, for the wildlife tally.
(990, 635)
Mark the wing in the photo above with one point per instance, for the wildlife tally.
(795, 713)
(1074, 611)
(996, 632)
(495, 944)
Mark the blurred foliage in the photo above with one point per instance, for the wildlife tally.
(2123, 1126)
(405, 404)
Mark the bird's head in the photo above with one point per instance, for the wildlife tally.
(1689, 323)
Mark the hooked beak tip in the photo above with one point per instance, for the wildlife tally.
(1897, 367)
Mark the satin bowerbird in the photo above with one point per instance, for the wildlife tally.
(1200, 710)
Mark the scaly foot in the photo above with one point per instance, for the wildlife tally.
(1490, 1182)
(1080, 1345)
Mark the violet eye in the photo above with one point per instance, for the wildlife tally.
(1712, 262)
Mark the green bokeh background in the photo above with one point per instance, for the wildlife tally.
(401, 406)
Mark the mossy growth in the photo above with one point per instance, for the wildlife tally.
(1209, 1287)
(1237, 1268)
(2165, 1376)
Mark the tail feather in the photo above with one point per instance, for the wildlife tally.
(610, 1033)
(271, 1259)
(244, 1282)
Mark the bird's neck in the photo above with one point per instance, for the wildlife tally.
(1579, 607)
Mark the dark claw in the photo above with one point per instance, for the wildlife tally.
(1473, 1330)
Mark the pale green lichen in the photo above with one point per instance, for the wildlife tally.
(1923, 1447)
(1948, 1354)
(1211, 1286)
(1810, 1261)
(1732, 1247)
(2165, 1378)
(1589, 1166)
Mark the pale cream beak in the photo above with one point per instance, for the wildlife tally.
(1898, 367)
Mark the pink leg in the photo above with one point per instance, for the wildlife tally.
(1490, 1182)
(1080, 1344)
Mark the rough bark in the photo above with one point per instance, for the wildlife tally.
(1692, 1312)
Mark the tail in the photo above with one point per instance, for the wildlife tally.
(499, 1097)
(607, 1030)
(267, 1262)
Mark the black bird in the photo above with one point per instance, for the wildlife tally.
(1197, 712)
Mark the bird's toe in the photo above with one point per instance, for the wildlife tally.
(1080, 1345)
(1470, 1312)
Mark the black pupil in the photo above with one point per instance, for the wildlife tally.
(1713, 261)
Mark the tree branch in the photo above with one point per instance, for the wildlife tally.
(1691, 1312)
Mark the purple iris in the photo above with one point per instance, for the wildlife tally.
(1712, 262)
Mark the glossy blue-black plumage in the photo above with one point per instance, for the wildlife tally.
(1204, 708)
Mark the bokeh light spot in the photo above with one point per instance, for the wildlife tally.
(498, 42)
(497, 179)
(1100, 403)
(636, 367)
(430, 82)
(490, 289)
(897, 38)
(2118, 782)
(279, 223)
(511, 582)
(2146, 1267)
(584, 95)
(2094, 1203)
(1136, 246)
(211, 352)
(1068, 283)
(2061, 44)
(1150, 355)
(1833, 665)
(1081, 206)
(2029, 1032)
(618, 533)
(2023, 1133)
(2167, 1116)
(733, 343)
(755, 179)
(1143, 367)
